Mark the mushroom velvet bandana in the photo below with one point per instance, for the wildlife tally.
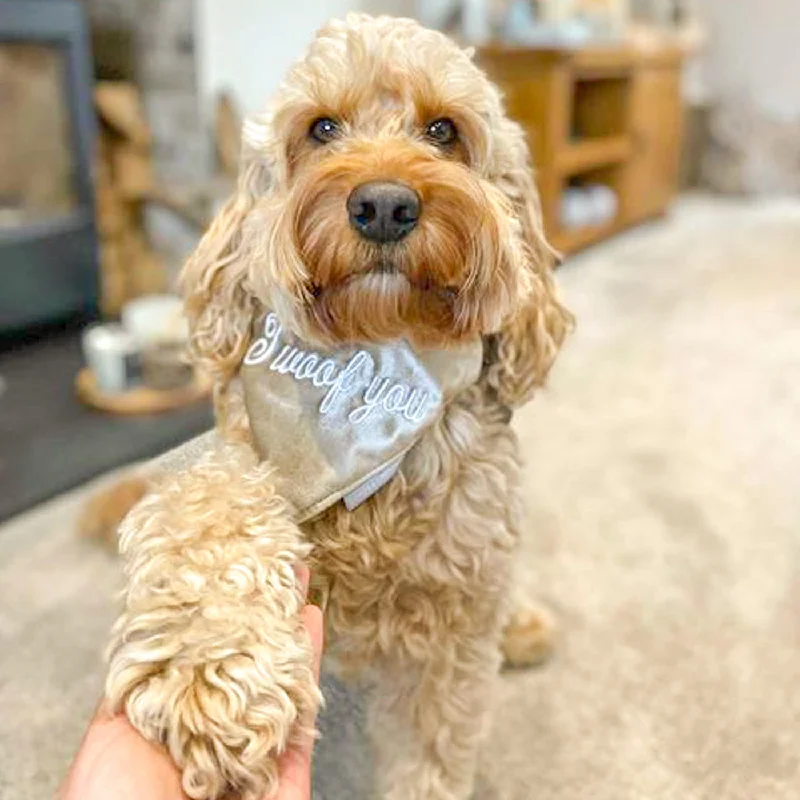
(336, 423)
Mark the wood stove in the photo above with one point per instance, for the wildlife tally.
(48, 246)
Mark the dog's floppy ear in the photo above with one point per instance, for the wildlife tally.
(528, 342)
(218, 304)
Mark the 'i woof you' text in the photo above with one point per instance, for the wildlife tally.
(353, 378)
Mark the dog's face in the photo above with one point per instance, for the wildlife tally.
(385, 195)
(385, 215)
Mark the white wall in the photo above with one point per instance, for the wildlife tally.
(246, 45)
(753, 53)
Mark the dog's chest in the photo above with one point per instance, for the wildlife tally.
(429, 537)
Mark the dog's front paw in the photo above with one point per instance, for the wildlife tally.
(528, 638)
(225, 718)
(210, 657)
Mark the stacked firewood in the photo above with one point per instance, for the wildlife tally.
(125, 186)
(124, 182)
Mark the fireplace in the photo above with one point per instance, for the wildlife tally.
(48, 249)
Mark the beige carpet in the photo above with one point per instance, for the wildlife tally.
(664, 492)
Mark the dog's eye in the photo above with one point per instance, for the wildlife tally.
(324, 130)
(442, 131)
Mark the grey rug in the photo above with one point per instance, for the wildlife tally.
(664, 533)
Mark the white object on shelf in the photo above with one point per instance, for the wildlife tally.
(155, 319)
(604, 202)
(113, 357)
(522, 27)
(592, 204)
(475, 23)
(558, 11)
(576, 208)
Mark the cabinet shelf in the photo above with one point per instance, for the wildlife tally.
(607, 115)
(590, 153)
(569, 240)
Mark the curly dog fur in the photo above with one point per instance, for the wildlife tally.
(209, 656)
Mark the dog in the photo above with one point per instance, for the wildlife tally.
(385, 197)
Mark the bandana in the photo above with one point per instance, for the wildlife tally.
(337, 423)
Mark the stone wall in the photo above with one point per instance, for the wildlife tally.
(152, 42)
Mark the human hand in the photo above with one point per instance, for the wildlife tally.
(114, 762)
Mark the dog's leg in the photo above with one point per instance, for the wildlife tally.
(100, 518)
(428, 720)
(210, 657)
(449, 606)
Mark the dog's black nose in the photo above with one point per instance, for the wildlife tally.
(383, 211)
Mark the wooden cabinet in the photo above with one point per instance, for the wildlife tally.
(601, 116)
(656, 124)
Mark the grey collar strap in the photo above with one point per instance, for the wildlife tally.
(336, 423)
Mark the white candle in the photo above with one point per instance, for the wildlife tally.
(113, 357)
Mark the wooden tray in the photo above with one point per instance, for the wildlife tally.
(140, 400)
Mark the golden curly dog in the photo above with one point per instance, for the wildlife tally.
(209, 656)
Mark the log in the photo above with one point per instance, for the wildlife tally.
(113, 281)
(132, 171)
(227, 134)
(114, 214)
(145, 271)
(119, 105)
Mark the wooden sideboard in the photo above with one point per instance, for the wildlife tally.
(602, 115)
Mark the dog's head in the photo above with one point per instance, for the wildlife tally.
(385, 195)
